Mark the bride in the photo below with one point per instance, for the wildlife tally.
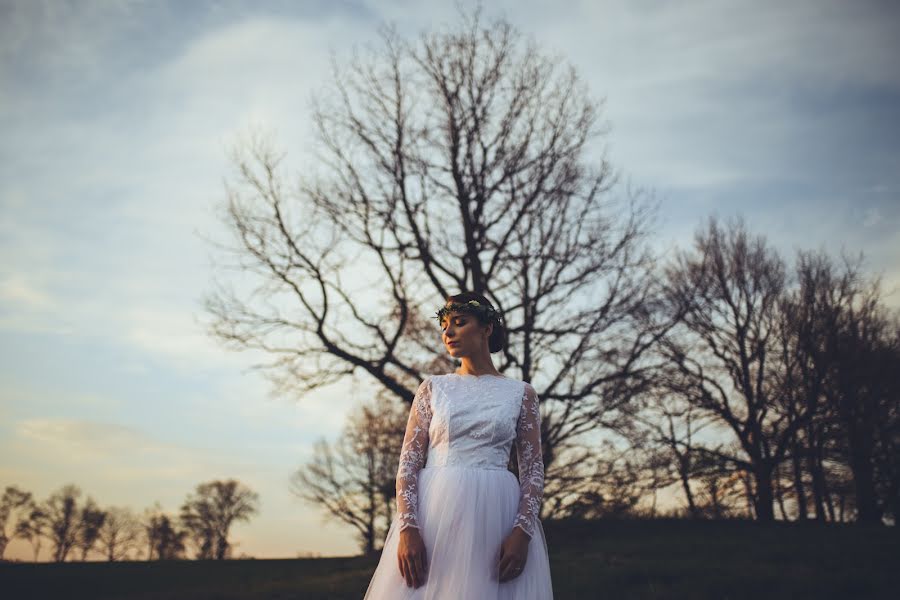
(466, 528)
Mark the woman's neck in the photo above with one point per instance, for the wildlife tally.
(481, 365)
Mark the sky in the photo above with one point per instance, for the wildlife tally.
(116, 119)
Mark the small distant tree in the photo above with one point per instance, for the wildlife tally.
(119, 533)
(201, 530)
(15, 506)
(63, 515)
(34, 528)
(355, 479)
(666, 422)
(147, 528)
(721, 492)
(165, 540)
(89, 524)
(209, 514)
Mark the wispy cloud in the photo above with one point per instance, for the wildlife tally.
(76, 441)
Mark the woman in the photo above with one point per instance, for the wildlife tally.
(466, 527)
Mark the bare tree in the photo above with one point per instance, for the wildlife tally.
(725, 350)
(209, 514)
(378, 431)
(810, 314)
(15, 508)
(667, 422)
(169, 540)
(354, 481)
(459, 161)
(622, 477)
(864, 394)
(199, 523)
(147, 521)
(722, 491)
(887, 448)
(165, 541)
(63, 515)
(34, 528)
(89, 524)
(119, 534)
(841, 360)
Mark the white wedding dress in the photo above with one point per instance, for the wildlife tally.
(453, 484)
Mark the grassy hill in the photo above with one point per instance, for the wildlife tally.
(656, 559)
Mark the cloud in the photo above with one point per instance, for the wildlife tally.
(16, 289)
(80, 440)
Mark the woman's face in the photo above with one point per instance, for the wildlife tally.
(463, 334)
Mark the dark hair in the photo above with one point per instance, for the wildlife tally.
(497, 340)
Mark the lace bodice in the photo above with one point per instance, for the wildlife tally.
(472, 421)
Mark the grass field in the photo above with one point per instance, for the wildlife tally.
(610, 559)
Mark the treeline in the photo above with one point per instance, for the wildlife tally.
(772, 391)
(74, 529)
(777, 387)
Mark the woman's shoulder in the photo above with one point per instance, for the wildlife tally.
(530, 390)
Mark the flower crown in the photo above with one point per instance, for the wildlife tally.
(473, 307)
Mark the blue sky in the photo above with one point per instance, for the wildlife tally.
(116, 119)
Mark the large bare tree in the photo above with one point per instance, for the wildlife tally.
(724, 353)
(468, 159)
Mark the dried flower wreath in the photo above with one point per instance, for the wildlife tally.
(473, 307)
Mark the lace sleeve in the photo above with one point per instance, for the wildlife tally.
(412, 456)
(531, 462)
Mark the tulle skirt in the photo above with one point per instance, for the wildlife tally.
(464, 515)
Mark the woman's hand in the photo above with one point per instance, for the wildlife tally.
(513, 554)
(411, 557)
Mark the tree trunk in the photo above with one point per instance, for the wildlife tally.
(829, 504)
(779, 494)
(895, 507)
(863, 478)
(764, 499)
(369, 544)
(843, 503)
(814, 464)
(686, 485)
(751, 496)
(799, 491)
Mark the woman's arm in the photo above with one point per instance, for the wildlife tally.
(531, 462)
(412, 456)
